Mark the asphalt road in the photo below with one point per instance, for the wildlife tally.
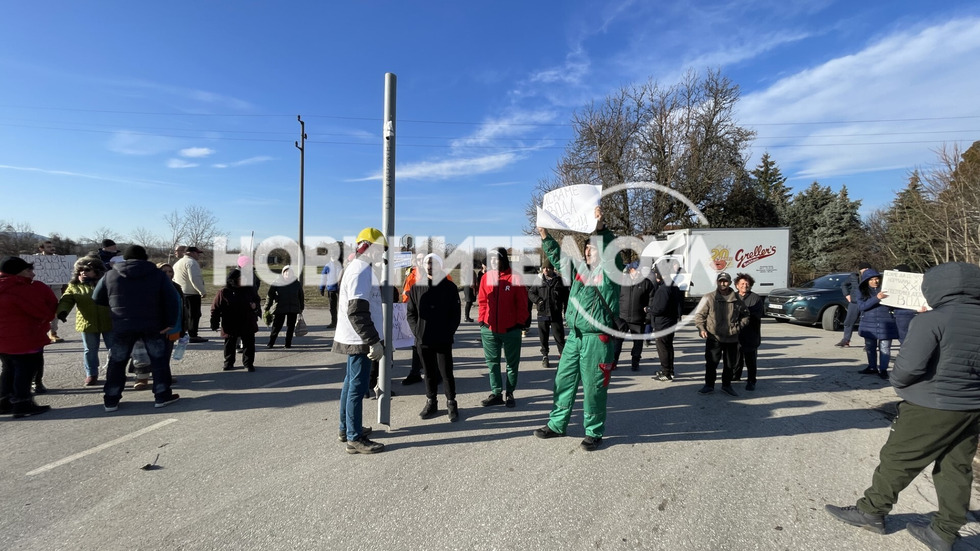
(251, 460)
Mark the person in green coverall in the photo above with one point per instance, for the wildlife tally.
(589, 349)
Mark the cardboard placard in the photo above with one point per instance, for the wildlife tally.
(52, 269)
(403, 337)
(570, 208)
(904, 290)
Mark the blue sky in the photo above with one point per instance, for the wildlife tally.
(115, 113)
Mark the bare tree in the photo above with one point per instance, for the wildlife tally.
(683, 137)
(149, 240)
(201, 226)
(17, 238)
(177, 226)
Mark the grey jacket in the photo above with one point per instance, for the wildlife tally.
(937, 366)
(717, 315)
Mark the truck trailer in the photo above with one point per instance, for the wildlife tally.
(700, 254)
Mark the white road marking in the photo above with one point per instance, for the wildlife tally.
(100, 447)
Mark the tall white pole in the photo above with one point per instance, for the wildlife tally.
(388, 228)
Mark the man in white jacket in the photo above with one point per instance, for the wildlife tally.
(360, 335)
(187, 274)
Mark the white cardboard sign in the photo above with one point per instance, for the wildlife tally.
(52, 269)
(403, 337)
(904, 290)
(570, 208)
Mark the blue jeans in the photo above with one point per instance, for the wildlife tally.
(119, 354)
(356, 382)
(879, 353)
(91, 343)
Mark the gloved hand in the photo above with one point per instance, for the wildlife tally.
(377, 351)
(63, 316)
(322, 289)
(214, 327)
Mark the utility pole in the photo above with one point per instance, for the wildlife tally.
(388, 228)
(301, 145)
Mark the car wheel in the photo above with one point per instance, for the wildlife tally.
(833, 318)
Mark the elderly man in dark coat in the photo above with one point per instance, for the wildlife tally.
(939, 420)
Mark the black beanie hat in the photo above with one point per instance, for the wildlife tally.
(135, 252)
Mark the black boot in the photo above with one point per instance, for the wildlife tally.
(429, 410)
(453, 411)
(28, 408)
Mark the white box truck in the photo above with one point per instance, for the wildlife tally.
(701, 253)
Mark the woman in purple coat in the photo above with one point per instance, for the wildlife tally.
(878, 325)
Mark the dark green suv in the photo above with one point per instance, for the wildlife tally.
(818, 301)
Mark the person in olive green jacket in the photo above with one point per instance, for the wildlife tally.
(91, 320)
(589, 349)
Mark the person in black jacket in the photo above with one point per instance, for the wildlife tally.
(850, 290)
(666, 303)
(144, 306)
(939, 420)
(634, 298)
(749, 322)
(235, 309)
(551, 297)
(285, 301)
(433, 313)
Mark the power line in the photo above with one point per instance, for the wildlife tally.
(424, 121)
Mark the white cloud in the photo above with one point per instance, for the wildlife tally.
(451, 168)
(98, 177)
(514, 125)
(243, 162)
(572, 72)
(180, 163)
(862, 107)
(196, 152)
(136, 143)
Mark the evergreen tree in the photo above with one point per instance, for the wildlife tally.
(803, 217)
(745, 207)
(910, 236)
(838, 235)
(772, 186)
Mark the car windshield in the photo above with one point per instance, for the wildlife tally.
(832, 281)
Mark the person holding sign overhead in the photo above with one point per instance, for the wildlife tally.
(589, 349)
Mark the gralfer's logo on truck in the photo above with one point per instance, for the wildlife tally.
(743, 258)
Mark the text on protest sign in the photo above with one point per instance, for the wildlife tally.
(904, 290)
(52, 269)
(570, 208)
(403, 337)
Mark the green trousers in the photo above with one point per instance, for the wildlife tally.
(580, 361)
(510, 342)
(920, 436)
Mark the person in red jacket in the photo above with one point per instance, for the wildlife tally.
(26, 311)
(503, 312)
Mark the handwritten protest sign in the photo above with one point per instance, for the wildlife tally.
(904, 290)
(402, 259)
(402, 337)
(570, 208)
(52, 269)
